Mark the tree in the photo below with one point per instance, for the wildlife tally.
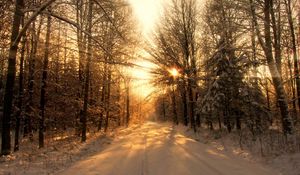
(176, 48)
(29, 113)
(87, 72)
(127, 87)
(16, 35)
(44, 84)
(20, 93)
(294, 47)
(10, 80)
(266, 44)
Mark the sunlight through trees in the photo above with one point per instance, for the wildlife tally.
(94, 66)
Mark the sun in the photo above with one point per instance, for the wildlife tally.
(174, 72)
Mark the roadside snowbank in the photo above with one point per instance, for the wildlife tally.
(59, 152)
(283, 161)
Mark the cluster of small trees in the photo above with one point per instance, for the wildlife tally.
(176, 48)
(60, 68)
(237, 60)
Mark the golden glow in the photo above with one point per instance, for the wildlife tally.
(147, 12)
(174, 72)
(215, 153)
(141, 73)
(141, 78)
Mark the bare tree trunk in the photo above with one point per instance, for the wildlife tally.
(198, 116)
(219, 122)
(107, 105)
(118, 99)
(56, 66)
(102, 103)
(20, 95)
(294, 48)
(277, 35)
(292, 83)
(81, 39)
(298, 27)
(103, 99)
(44, 85)
(10, 80)
(65, 52)
(87, 73)
(191, 110)
(175, 120)
(32, 59)
(184, 103)
(81, 42)
(127, 103)
(287, 124)
(266, 86)
(1, 76)
(254, 54)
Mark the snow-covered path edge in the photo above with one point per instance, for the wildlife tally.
(282, 163)
(59, 153)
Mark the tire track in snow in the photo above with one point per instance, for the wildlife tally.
(144, 166)
(197, 156)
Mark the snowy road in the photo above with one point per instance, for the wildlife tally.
(156, 149)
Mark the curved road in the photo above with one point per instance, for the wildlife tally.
(156, 149)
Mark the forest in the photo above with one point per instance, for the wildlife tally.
(72, 67)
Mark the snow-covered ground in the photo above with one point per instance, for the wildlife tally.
(149, 149)
(158, 149)
(59, 152)
(277, 158)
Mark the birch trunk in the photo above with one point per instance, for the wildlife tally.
(87, 73)
(266, 43)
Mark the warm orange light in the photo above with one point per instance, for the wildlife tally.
(174, 72)
(141, 78)
(147, 12)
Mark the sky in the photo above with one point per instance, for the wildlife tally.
(147, 12)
